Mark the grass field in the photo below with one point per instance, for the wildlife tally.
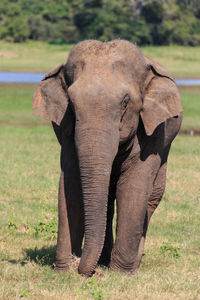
(190, 97)
(42, 57)
(29, 164)
(32, 56)
(181, 61)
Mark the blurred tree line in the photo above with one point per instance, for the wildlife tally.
(152, 22)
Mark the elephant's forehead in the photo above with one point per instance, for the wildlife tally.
(91, 49)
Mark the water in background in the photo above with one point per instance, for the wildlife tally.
(187, 81)
(19, 77)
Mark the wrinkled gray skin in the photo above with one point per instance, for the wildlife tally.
(115, 113)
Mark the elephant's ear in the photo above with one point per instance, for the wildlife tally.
(161, 99)
(50, 99)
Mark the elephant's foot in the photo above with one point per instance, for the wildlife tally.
(71, 263)
(129, 270)
(123, 264)
(63, 264)
(63, 269)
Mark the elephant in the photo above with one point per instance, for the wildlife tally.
(115, 113)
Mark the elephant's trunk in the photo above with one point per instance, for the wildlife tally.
(96, 151)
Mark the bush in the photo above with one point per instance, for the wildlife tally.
(13, 24)
(38, 28)
(153, 12)
(141, 21)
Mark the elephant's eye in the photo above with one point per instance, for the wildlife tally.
(125, 102)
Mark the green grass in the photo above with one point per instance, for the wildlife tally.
(15, 105)
(181, 61)
(42, 57)
(32, 56)
(29, 164)
(190, 97)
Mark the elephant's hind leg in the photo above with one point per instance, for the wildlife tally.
(153, 202)
(108, 243)
(157, 191)
(70, 208)
(132, 197)
(172, 127)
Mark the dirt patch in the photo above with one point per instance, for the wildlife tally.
(24, 124)
(7, 54)
(190, 132)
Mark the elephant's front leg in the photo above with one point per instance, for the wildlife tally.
(63, 250)
(133, 191)
(70, 207)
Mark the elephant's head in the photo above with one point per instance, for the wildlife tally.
(98, 96)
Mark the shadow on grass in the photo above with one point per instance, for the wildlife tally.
(14, 261)
(44, 256)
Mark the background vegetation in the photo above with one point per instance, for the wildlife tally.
(145, 22)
